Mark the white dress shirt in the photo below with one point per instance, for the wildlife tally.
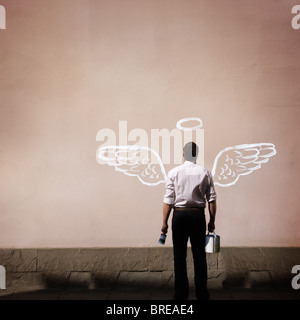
(189, 185)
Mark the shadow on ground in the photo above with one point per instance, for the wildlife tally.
(137, 292)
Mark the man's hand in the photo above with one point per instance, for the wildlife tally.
(164, 228)
(211, 226)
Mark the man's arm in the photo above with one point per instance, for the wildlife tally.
(168, 203)
(212, 208)
(166, 213)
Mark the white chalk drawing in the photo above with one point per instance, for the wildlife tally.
(145, 163)
(184, 120)
(241, 160)
(135, 161)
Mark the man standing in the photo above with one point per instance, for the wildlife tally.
(188, 187)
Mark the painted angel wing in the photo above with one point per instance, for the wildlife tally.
(233, 162)
(132, 160)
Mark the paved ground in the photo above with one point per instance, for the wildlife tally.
(135, 293)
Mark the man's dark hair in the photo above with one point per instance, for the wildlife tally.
(190, 151)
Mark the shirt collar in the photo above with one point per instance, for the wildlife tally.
(189, 162)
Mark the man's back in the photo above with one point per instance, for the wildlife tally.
(189, 185)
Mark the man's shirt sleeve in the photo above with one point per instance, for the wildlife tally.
(169, 197)
(210, 190)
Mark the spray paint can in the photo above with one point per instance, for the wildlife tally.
(162, 239)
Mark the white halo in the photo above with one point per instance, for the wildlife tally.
(180, 122)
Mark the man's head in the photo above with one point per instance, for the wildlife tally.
(190, 151)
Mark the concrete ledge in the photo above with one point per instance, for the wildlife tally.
(103, 267)
(19, 260)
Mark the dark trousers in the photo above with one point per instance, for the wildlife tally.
(189, 224)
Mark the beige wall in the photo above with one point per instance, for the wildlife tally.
(70, 68)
